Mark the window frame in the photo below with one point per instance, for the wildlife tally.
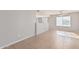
(62, 19)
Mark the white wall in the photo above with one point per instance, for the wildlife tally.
(42, 27)
(16, 25)
(74, 22)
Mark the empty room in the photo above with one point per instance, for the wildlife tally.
(39, 29)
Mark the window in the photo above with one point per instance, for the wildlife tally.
(63, 21)
(40, 20)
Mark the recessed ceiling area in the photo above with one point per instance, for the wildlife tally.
(53, 12)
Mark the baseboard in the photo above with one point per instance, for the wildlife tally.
(14, 42)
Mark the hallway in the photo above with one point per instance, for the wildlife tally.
(50, 40)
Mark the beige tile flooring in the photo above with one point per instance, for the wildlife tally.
(50, 40)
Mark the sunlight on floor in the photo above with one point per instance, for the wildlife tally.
(67, 34)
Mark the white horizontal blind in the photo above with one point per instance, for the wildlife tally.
(63, 21)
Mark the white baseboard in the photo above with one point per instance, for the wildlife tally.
(14, 42)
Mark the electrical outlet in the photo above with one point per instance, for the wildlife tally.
(19, 35)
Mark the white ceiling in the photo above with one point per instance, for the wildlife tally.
(54, 12)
